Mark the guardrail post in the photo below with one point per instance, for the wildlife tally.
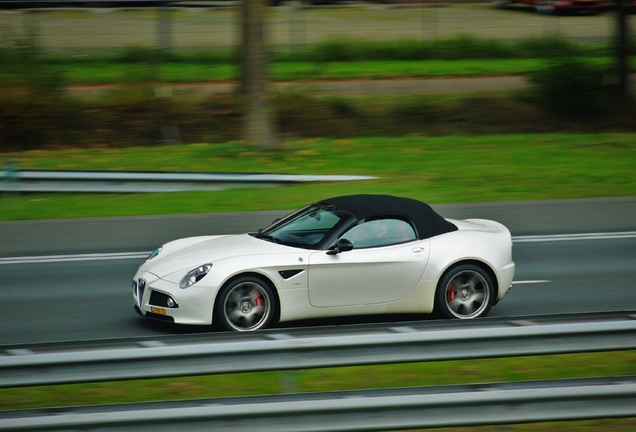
(10, 171)
(10, 178)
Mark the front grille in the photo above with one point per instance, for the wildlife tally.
(134, 291)
(138, 287)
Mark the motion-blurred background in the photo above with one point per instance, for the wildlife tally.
(265, 84)
(452, 103)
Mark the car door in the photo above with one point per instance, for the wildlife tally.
(373, 272)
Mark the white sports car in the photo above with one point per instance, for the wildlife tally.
(349, 255)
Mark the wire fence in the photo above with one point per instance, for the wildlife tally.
(291, 25)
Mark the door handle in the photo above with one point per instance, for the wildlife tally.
(417, 249)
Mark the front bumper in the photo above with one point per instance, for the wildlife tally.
(158, 317)
(163, 300)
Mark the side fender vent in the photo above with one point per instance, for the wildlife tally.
(288, 274)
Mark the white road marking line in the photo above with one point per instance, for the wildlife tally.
(151, 344)
(402, 329)
(279, 336)
(142, 255)
(528, 282)
(523, 323)
(570, 237)
(19, 351)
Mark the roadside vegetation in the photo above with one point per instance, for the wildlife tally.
(454, 168)
(569, 93)
(332, 59)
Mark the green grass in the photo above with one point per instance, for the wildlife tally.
(449, 169)
(113, 73)
(378, 69)
(341, 60)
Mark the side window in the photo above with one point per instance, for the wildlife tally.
(380, 232)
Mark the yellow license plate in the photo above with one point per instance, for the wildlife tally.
(160, 311)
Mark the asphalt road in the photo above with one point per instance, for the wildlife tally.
(145, 233)
(82, 300)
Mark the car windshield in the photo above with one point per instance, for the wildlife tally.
(305, 229)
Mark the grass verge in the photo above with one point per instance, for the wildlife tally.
(330, 59)
(302, 71)
(449, 169)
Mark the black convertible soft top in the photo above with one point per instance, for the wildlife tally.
(427, 222)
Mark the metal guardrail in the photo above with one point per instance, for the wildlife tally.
(288, 350)
(364, 410)
(132, 182)
(369, 410)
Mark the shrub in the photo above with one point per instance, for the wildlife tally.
(136, 54)
(468, 47)
(569, 84)
(557, 47)
(33, 107)
(415, 110)
(303, 115)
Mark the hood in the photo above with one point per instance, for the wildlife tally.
(203, 250)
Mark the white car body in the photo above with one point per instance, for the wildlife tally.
(396, 278)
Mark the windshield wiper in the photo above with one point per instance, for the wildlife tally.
(259, 234)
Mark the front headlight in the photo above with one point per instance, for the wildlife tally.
(194, 276)
(154, 253)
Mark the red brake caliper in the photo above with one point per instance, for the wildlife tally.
(451, 292)
(258, 298)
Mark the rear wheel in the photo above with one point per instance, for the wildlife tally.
(246, 304)
(464, 292)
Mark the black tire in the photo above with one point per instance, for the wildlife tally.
(464, 292)
(246, 304)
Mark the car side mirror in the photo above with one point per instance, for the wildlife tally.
(342, 245)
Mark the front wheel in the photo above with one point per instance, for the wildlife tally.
(464, 292)
(246, 304)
